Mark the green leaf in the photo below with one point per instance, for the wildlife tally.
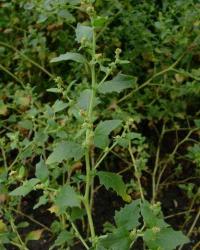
(21, 172)
(118, 240)
(67, 197)
(151, 216)
(41, 172)
(26, 188)
(23, 224)
(73, 2)
(42, 18)
(117, 84)
(128, 216)
(3, 108)
(67, 15)
(166, 238)
(64, 151)
(54, 90)
(26, 153)
(77, 213)
(29, 6)
(4, 239)
(27, 124)
(197, 123)
(42, 201)
(34, 235)
(3, 227)
(194, 153)
(69, 56)
(84, 33)
(113, 181)
(99, 21)
(40, 138)
(102, 131)
(131, 136)
(59, 106)
(83, 100)
(63, 237)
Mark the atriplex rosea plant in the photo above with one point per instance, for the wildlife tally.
(87, 147)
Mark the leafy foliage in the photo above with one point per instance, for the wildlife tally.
(102, 131)
(166, 238)
(67, 197)
(64, 151)
(117, 84)
(69, 56)
(128, 216)
(91, 89)
(155, 236)
(114, 181)
(26, 188)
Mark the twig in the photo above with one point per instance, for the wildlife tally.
(157, 164)
(12, 75)
(31, 219)
(171, 67)
(137, 174)
(172, 155)
(192, 227)
(180, 213)
(27, 58)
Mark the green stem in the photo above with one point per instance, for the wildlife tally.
(196, 246)
(12, 75)
(156, 165)
(4, 158)
(171, 157)
(104, 155)
(106, 152)
(190, 207)
(88, 173)
(27, 58)
(89, 134)
(90, 221)
(16, 244)
(92, 181)
(23, 246)
(192, 227)
(31, 219)
(187, 212)
(79, 235)
(170, 68)
(137, 173)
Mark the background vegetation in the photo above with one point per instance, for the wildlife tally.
(73, 170)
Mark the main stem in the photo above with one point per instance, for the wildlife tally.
(154, 190)
(89, 134)
(137, 173)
